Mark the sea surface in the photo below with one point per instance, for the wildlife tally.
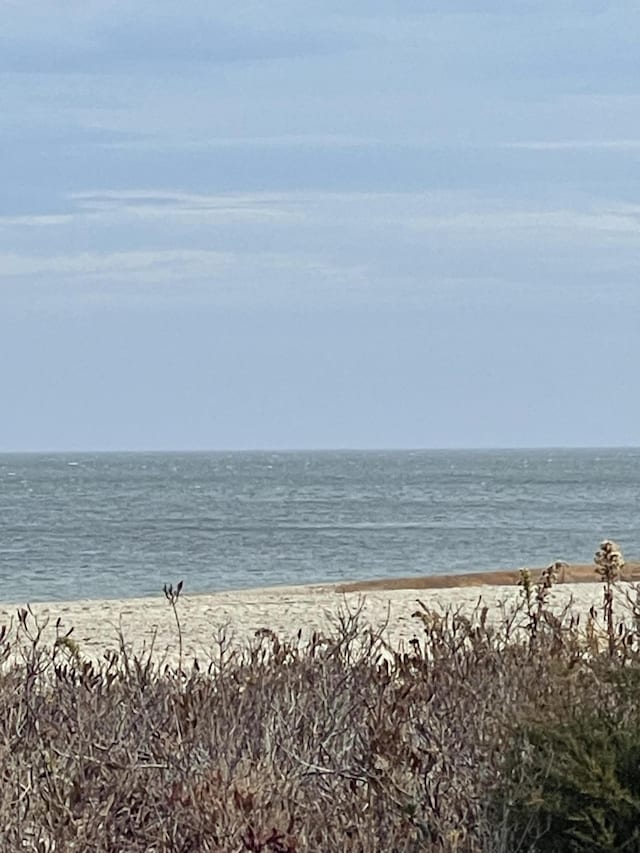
(115, 525)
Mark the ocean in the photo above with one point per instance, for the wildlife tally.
(119, 525)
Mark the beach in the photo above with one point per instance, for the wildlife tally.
(238, 616)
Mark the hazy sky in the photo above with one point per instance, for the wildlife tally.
(369, 223)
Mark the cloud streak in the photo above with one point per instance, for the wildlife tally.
(576, 145)
(159, 40)
(319, 250)
(455, 212)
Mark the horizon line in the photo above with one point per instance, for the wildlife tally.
(309, 449)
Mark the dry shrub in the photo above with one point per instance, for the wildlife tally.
(336, 744)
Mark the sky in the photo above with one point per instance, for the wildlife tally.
(360, 224)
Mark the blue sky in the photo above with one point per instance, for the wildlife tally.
(320, 224)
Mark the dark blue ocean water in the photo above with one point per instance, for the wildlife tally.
(119, 525)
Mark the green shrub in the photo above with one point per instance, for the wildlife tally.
(583, 782)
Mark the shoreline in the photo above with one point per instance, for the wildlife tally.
(287, 611)
(571, 573)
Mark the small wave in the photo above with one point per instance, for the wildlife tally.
(221, 527)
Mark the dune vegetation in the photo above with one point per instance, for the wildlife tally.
(511, 732)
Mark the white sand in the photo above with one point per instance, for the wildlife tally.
(284, 610)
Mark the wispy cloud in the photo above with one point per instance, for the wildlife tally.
(293, 140)
(112, 265)
(103, 43)
(564, 222)
(42, 220)
(179, 277)
(419, 211)
(154, 204)
(323, 250)
(576, 145)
